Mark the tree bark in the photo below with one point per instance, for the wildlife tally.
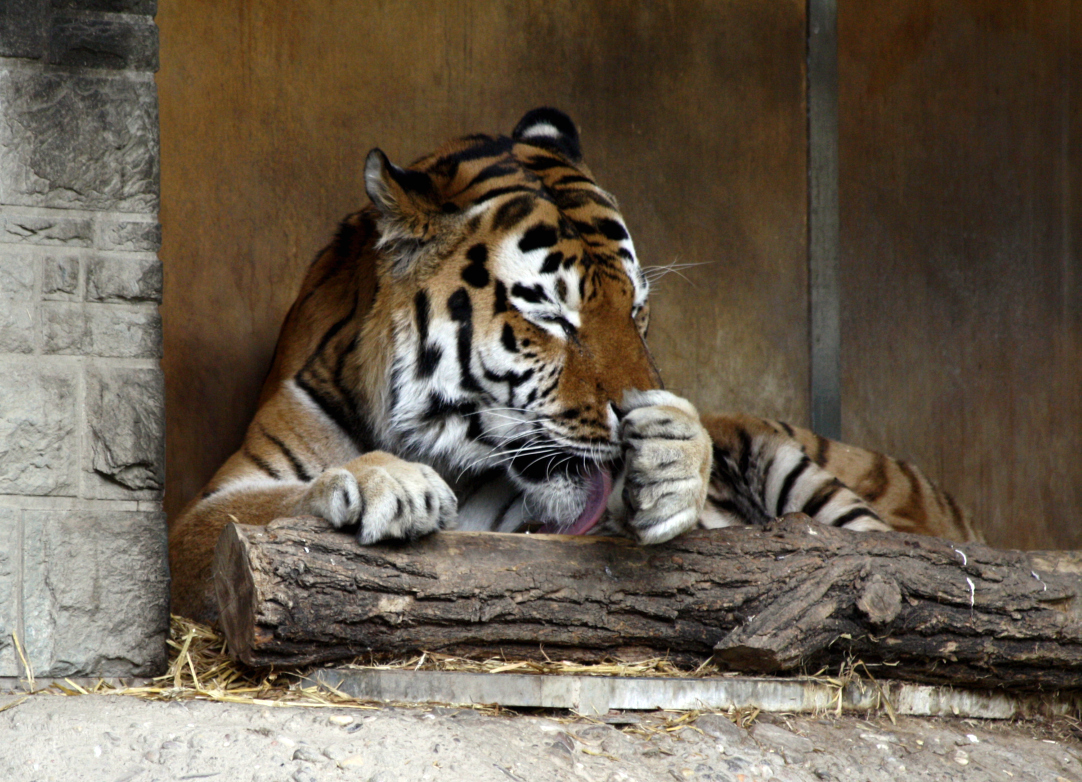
(759, 600)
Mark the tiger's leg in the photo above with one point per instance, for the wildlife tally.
(661, 491)
(760, 473)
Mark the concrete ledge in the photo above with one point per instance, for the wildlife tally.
(596, 695)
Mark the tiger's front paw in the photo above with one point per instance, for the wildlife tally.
(386, 497)
(667, 460)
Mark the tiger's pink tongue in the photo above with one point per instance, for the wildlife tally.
(600, 483)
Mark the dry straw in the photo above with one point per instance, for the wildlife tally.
(200, 668)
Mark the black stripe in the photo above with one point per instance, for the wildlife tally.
(821, 497)
(511, 212)
(497, 169)
(501, 298)
(570, 179)
(512, 378)
(428, 361)
(853, 514)
(598, 198)
(552, 262)
(566, 228)
(343, 409)
(440, 409)
(744, 461)
(584, 229)
(726, 505)
(461, 310)
(544, 163)
(611, 229)
(508, 338)
(428, 356)
(569, 329)
(746, 503)
(476, 274)
(294, 462)
(340, 368)
(420, 303)
(330, 333)
(786, 428)
(538, 237)
(489, 146)
(263, 465)
(486, 146)
(345, 416)
(534, 294)
(822, 450)
(873, 484)
(789, 482)
(547, 390)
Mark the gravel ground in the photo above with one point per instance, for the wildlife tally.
(124, 739)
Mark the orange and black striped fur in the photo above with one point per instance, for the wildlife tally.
(470, 352)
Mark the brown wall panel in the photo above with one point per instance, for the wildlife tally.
(961, 289)
(691, 113)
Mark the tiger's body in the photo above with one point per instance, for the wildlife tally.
(470, 352)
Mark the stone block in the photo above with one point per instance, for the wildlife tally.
(18, 301)
(131, 236)
(16, 277)
(17, 327)
(148, 7)
(78, 141)
(95, 592)
(118, 43)
(107, 330)
(10, 591)
(125, 410)
(38, 429)
(47, 229)
(113, 279)
(60, 276)
(24, 25)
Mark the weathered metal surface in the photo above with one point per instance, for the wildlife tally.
(960, 268)
(597, 695)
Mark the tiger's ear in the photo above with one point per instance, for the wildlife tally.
(407, 203)
(552, 129)
(397, 192)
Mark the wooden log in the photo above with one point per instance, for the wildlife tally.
(762, 600)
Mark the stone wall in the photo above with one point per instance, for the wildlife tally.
(83, 580)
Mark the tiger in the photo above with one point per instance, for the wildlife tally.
(470, 352)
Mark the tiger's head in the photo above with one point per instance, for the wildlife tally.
(510, 316)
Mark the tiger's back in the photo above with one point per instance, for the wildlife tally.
(763, 469)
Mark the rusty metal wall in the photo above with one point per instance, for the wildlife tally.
(960, 274)
(692, 113)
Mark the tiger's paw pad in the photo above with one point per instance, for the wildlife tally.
(667, 460)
